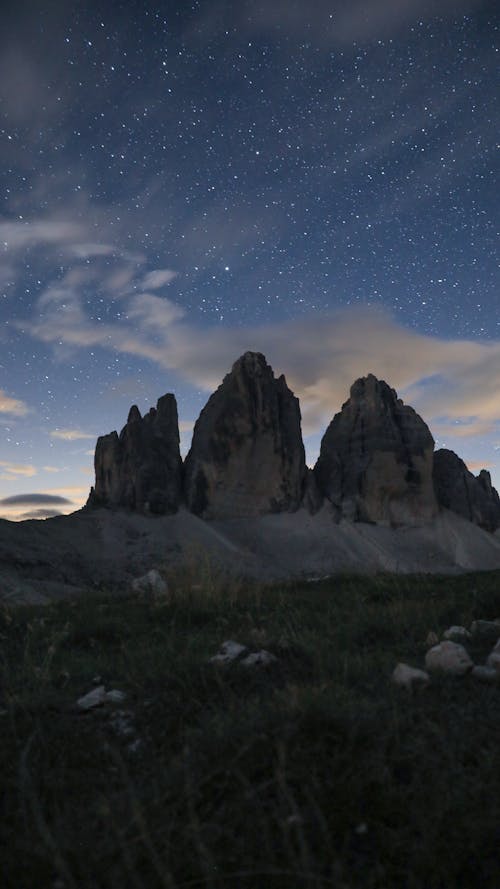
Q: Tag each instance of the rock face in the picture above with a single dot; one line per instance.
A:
(375, 462)
(141, 469)
(247, 456)
(457, 489)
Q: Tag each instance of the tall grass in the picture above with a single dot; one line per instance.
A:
(314, 772)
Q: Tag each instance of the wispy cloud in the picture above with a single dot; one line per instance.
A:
(158, 278)
(11, 471)
(444, 379)
(328, 24)
(70, 435)
(17, 235)
(39, 514)
(13, 406)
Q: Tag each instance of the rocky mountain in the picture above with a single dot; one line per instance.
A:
(375, 462)
(247, 456)
(458, 489)
(141, 469)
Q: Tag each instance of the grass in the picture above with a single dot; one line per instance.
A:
(316, 772)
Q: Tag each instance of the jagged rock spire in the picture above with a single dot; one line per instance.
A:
(247, 455)
(375, 461)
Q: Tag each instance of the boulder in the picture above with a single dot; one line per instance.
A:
(486, 674)
(472, 497)
(151, 584)
(228, 652)
(247, 457)
(375, 462)
(457, 634)
(448, 657)
(406, 676)
(261, 658)
(141, 469)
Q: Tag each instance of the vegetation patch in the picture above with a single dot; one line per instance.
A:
(313, 771)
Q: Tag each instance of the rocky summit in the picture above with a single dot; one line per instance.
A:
(458, 489)
(140, 469)
(377, 462)
(247, 456)
(376, 457)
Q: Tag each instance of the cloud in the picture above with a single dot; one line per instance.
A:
(17, 235)
(39, 514)
(85, 251)
(14, 470)
(475, 465)
(13, 406)
(33, 499)
(321, 355)
(70, 435)
(466, 428)
(154, 312)
(158, 278)
(327, 23)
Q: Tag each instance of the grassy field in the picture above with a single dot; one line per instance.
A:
(311, 773)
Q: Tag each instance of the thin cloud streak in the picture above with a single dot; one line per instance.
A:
(70, 435)
(320, 356)
(13, 406)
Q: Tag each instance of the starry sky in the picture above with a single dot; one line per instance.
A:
(183, 181)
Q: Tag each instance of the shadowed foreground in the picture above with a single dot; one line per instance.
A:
(313, 772)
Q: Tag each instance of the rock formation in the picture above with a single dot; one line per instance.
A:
(141, 469)
(247, 456)
(458, 489)
(375, 462)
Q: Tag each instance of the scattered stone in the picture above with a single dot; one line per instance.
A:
(485, 674)
(121, 722)
(406, 676)
(489, 630)
(259, 659)
(97, 680)
(115, 696)
(135, 746)
(458, 489)
(376, 457)
(150, 584)
(448, 657)
(432, 639)
(99, 696)
(228, 652)
(247, 456)
(456, 634)
(94, 698)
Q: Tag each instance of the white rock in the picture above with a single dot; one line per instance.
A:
(486, 674)
(432, 638)
(455, 633)
(94, 698)
(115, 696)
(259, 659)
(151, 584)
(449, 657)
(229, 651)
(407, 676)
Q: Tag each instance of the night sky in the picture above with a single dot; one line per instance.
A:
(184, 181)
